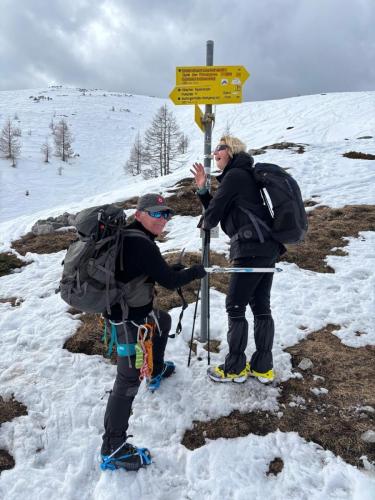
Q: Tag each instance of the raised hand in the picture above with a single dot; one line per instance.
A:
(199, 175)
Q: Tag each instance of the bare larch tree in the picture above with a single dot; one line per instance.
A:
(63, 140)
(46, 150)
(10, 144)
(137, 157)
(183, 143)
(162, 143)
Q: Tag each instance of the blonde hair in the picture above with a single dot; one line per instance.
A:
(234, 144)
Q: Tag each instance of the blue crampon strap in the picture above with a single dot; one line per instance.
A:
(154, 383)
(109, 461)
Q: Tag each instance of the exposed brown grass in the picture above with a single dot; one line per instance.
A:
(9, 262)
(214, 346)
(9, 409)
(275, 466)
(184, 201)
(327, 228)
(297, 148)
(130, 203)
(310, 203)
(6, 461)
(356, 155)
(167, 299)
(88, 338)
(44, 243)
(13, 301)
(335, 420)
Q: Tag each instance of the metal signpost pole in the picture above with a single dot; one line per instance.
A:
(207, 85)
(205, 286)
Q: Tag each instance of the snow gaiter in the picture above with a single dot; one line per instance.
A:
(235, 360)
(264, 330)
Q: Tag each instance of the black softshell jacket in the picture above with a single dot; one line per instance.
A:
(142, 256)
(238, 188)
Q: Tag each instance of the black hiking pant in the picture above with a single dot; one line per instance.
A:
(253, 289)
(127, 380)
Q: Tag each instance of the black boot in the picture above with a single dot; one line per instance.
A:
(118, 453)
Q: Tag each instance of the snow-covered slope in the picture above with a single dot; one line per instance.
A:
(65, 392)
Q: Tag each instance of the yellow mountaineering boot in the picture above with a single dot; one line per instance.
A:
(264, 378)
(217, 374)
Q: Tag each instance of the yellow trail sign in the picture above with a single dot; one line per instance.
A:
(206, 94)
(209, 84)
(224, 75)
(198, 116)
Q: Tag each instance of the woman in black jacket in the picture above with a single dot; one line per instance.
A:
(243, 216)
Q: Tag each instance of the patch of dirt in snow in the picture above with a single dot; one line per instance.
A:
(357, 155)
(9, 409)
(167, 299)
(310, 203)
(13, 301)
(88, 337)
(297, 148)
(9, 262)
(44, 243)
(335, 419)
(327, 229)
(275, 467)
(183, 199)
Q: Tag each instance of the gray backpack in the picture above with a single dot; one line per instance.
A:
(88, 281)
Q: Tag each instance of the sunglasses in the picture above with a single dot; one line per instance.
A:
(166, 214)
(220, 147)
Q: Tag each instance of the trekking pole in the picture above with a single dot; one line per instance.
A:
(194, 318)
(215, 269)
(208, 325)
(195, 314)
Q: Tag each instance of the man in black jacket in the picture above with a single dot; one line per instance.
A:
(139, 267)
(243, 216)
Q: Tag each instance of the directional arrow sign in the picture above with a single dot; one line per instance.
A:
(207, 94)
(198, 116)
(192, 75)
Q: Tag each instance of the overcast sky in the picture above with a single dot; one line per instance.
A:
(290, 47)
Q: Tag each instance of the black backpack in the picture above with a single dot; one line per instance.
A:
(88, 281)
(283, 198)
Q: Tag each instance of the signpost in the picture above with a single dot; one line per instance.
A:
(207, 85)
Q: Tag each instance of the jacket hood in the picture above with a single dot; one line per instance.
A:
(240, 160)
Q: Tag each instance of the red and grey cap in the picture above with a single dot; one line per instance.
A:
(152, 203)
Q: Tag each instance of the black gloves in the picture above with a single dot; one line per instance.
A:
(198, 271)
(178, 266)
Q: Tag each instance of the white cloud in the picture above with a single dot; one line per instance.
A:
(291, 47)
